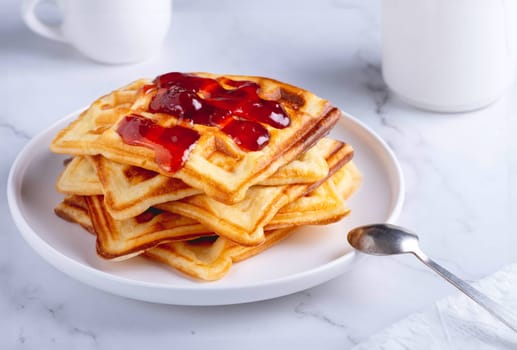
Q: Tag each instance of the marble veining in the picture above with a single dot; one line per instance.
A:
(377, 88)
(15, 131)
(460, 179)
(302, 310)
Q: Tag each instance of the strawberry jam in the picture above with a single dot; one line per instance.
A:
(171, 145)
(238, 111)
(203, 240)
(232, 106)
(148, 215)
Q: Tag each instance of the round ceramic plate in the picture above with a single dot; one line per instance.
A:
(310, 256)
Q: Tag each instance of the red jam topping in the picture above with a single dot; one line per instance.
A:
(238, 111)
(171, 145)
(147, 215)
(203, 240)
(235, 108)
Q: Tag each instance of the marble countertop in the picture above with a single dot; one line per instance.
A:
(460, 172)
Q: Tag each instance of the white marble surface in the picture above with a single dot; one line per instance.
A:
(460, 171)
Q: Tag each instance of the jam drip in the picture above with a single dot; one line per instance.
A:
(238, 111)
(147, 215)
(171, 145)
(203, 240)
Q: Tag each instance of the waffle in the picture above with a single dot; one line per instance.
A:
(310, 167)
(216, 165)
(80, 136)
(324, 205)
(74, 209)
(244, 222)
(208, 258)
(79, 177)
(129, 191)
(120, 239)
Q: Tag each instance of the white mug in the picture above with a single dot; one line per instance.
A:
(109, 31)
(449, 55)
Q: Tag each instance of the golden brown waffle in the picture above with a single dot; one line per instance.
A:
(244, 222)
(348, 180)
(74, 209)
(79, 177)
(324, 205)
(216, 165)
(310, 167)
(129, 190)
(121, 239)
(206, 259)
(82, 133)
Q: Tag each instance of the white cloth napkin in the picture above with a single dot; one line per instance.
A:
(456, 322)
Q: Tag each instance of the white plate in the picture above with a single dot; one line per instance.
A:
(311, 256)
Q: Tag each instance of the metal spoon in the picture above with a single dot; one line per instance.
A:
(385, 239)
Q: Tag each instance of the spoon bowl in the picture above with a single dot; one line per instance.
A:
(383, 239)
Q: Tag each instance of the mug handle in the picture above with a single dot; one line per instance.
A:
(36, 25)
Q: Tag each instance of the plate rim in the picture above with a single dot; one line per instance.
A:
(97, 278)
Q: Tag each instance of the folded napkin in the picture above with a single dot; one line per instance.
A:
(456, 322)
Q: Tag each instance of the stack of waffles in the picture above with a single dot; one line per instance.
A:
(199, 171)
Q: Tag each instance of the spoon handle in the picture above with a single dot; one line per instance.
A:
(488, 304)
